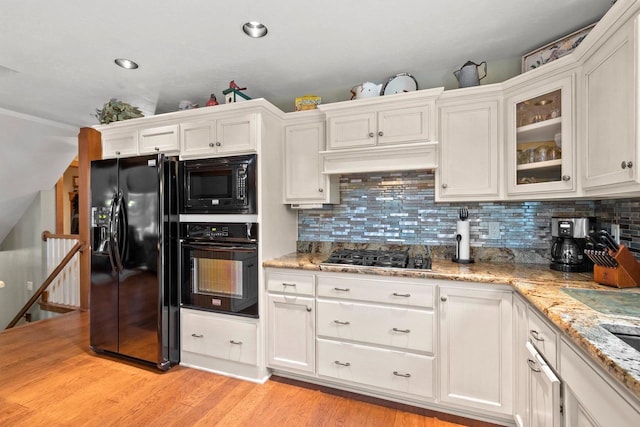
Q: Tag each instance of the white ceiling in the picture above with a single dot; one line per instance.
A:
(56, 56)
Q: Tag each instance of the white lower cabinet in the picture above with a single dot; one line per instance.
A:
(223, 338)
(221, 343)
(543, 391)
(591, 399)
(291, 332)
(476, 348)
(394, 371)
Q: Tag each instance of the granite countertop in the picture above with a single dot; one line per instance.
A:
(539, 285)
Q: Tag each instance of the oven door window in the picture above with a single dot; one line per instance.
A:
(211, 184)
(219, 277)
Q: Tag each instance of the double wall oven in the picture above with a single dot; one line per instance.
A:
(219, 258)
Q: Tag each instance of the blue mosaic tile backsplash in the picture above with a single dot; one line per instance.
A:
(399, 207)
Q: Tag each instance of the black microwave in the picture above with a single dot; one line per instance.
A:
(219, 185)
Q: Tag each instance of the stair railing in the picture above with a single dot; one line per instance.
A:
(79, 246)
(65, 289)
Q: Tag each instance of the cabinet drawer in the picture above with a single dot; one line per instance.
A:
(290, 283)
(405, 373)
(404, 328)
(219, 337)
(543, 337)
(388, 291)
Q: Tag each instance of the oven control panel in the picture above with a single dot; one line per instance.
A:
(220, 231)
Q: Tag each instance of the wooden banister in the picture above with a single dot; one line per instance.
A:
(77, 247)
(49, 235)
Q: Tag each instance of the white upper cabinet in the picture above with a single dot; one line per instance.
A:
(385, 133)
(398, 124)
(233, 134)
(123, 143)
(470, 146)
(159, 139)
(609, 91)
(540, 138)
(304, 182)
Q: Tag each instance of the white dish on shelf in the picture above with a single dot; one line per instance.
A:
(403, 82)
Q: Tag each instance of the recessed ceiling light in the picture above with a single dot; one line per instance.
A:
(126, 63)
(254, 29)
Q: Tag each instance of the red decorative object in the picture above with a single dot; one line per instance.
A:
(212, 101)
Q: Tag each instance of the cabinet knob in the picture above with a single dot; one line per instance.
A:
(443, 299)
(211, 144)
(156, 148)
(380, 133)
(625, 165)
(117, 153)
(235, 342)
(398, 374)
(321, 190)
(535, 334)
(337, 362)
(371, 134)
(308, 308)
(218, 144)
(566, 178)
(197, 335)
(444, 185)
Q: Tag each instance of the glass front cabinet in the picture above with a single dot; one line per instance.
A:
(540, 141)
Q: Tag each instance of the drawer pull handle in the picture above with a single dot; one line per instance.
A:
(235, 342)
(337, 362)
(342, 289)
(288, 285)
(340, 322)
(535, 335)
(398, 374)
(197, 336)
(532, 365)
(404, 331)
(395, 294)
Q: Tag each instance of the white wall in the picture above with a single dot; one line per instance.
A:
(22, 256)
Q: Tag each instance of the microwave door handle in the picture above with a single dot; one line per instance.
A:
(242, 184)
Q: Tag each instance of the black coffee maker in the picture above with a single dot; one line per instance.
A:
(568, 241)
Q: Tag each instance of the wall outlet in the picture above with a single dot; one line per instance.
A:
(615, 232)
(494, 230)
(29, 286)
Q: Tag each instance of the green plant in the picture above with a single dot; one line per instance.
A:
(114, 111)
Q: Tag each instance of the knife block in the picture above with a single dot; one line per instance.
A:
(625, 275)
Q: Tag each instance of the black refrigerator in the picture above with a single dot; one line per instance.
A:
(134, 306)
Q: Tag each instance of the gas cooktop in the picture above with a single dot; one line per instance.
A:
(379, 258)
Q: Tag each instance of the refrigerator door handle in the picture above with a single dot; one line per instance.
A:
(116, 233)
(111, 233)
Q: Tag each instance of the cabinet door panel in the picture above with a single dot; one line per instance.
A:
(610, 112)
(469, 152)
(237, 134)
(476, 348)
(121, 144)
(159, 139)
(354, 130)
(198, 138)
(304, 182)
(404, 125)
(291, 332)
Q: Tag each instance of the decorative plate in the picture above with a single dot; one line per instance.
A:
(403, 82)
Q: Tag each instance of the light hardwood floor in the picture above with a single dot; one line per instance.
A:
(50, 377)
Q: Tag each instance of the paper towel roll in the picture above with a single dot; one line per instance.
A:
(462, 229)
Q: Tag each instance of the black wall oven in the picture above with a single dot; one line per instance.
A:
(219, 185)
(220, 267)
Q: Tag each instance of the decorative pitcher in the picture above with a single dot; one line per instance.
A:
(467, 75)
(366, 90)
